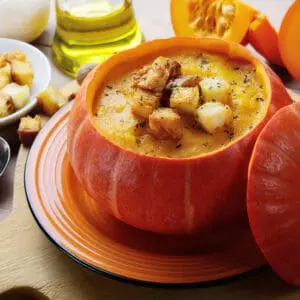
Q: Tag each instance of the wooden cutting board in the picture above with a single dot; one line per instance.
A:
(31, 267)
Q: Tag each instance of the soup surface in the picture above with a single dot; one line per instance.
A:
(181, 106)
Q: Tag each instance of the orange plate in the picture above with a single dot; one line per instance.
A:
(103, 244)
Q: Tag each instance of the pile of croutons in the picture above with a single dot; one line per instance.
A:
(49, 102)
(162, 94)
(16, 77)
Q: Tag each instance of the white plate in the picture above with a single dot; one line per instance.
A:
(42, 75)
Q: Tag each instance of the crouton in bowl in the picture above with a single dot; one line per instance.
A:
(24, 73)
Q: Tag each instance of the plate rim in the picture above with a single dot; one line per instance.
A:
(101, 271)
(142, 283)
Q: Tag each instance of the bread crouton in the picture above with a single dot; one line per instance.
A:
(184, 81)
(6, 106)
(22, 72)
(144, 103)
(16, 55)
(51, 100)
(214, 116)
(165, 123)
(155, 78)
(187, 100)
(20, 94)
(28, 129)
(214, 89)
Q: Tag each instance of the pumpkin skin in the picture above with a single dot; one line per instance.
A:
(289, 39)
(273, 198)
(264, 39)
(164, 195)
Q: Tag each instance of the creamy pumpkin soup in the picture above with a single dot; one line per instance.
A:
(181, 106)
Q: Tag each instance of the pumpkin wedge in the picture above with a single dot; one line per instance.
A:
(273, 193)
(228, 20)
(161, 194)
(289, 40)
(264, 39)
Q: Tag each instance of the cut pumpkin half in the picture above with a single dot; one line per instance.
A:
(225, 19)
(273, 196)
(264, 39)
(230, 20)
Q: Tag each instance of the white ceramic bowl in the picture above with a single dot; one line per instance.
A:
(42, 75)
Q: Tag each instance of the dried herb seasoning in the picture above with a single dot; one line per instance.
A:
(204, 62)
(229, 132)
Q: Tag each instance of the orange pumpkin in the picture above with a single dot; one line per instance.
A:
(213, 18)
(228, 20)
(289, 40)
(273, 197)
(161, 194)
(264, 38)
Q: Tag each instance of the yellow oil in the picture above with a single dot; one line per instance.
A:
(91, 31)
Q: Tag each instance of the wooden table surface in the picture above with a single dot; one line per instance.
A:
(154, 19)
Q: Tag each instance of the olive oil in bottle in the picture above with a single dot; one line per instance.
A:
(92, 30)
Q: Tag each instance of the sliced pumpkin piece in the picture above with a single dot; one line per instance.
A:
(264, 39)
(289, 40)
(273, 197)
(228, 19)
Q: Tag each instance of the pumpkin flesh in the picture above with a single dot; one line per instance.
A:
(264, 38)
(228, 20)
(158, 194)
